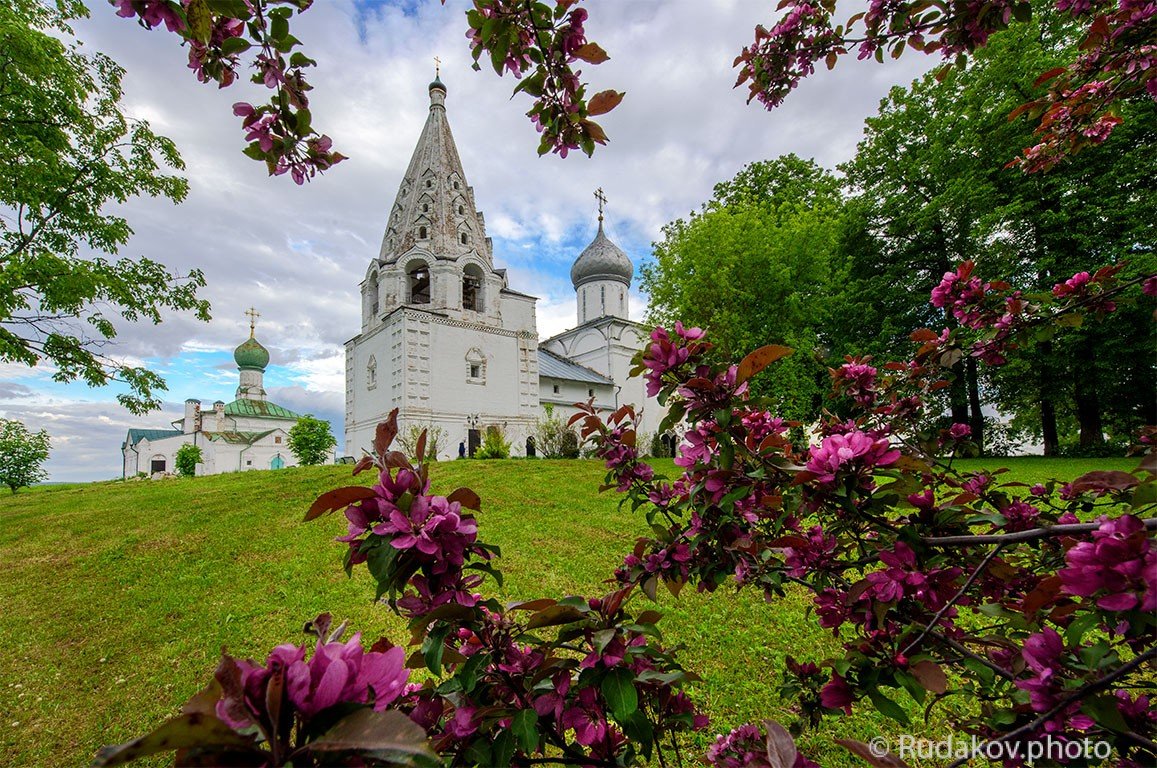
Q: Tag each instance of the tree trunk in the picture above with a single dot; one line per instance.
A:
(1048, 409)
(958, 395)
(976, 418)
(1088, 404)
(1048, 425)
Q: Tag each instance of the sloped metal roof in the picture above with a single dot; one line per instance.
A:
(259, 408)
(558, 367)
(237, 438)
(137, 435)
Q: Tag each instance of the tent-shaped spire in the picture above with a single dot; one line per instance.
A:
(434, 210)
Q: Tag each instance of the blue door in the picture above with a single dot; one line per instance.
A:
(277, 462)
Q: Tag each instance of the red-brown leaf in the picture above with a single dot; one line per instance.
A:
(364, 463)
(759, 359)
(336, 499)
(466, 498)
(863, 751)
(1045, 77)
(592, 53)
(1112, 480)
(930, 675)
(603, 102)
(385, 433)
(781, 751)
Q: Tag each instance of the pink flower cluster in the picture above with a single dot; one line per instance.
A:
(854, 453)
(337, 673)
(152, 13)
(747, 747)
(960, 293)
(666, 353)
(778, 59)
(1120, 564)
(432, 531)
(858, 381)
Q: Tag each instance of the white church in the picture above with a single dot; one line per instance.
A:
(249, 433)
(449, 343)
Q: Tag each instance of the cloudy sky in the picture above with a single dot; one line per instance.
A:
(298, 253)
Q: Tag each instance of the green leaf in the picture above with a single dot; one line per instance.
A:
(188, 730)
(887, 707)
(618, 689)
(524, 726)
(235, 45)
(388, 735)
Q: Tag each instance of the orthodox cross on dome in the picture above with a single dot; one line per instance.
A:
(602, 201)
(253, 314)
(437, 67)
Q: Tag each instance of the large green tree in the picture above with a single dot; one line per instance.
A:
(932, 191)
(752, 267)
(68, 154)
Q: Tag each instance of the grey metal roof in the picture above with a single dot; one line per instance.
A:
(558, 367)
(136, 435)
(602, 260)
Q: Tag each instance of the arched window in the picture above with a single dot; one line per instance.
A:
(461, 210)
(419, 275)
(422, 233)
(374, 295)
(429, 183)
(455, 185)
(425, 207)
(464, 238)
(603, 298)
(372, 373)
(472, 288)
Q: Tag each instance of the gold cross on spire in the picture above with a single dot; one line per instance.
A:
(253, 314)
(437, 67)
(602, 201)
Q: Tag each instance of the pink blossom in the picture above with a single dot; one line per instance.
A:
(1119, 562)
(837, 695)
(854, 451)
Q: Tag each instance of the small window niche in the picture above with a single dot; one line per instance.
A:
(475, 367)
(371, 374)
(556, 389)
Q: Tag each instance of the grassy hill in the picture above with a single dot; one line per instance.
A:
(116, 598)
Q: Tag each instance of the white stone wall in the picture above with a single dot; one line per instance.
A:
(423, 367)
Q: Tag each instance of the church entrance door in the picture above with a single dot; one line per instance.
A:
(277, 463)
(474, 440)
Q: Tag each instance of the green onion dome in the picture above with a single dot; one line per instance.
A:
(251, 355)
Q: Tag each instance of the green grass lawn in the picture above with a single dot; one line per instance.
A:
(116, 598)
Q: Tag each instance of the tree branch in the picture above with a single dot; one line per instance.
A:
(1078, 695)
(1030, 535)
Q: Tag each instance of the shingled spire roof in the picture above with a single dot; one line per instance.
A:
(434, 210)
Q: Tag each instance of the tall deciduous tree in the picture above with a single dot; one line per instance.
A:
(67, 154)
(933, 192)
(21, 454)
(752, 266)
(311, 440)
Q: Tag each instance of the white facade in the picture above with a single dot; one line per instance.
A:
(446, 341)
(249, 433)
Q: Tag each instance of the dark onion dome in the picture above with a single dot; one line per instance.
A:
(602, 260)
(437, 83)
(251, 355)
